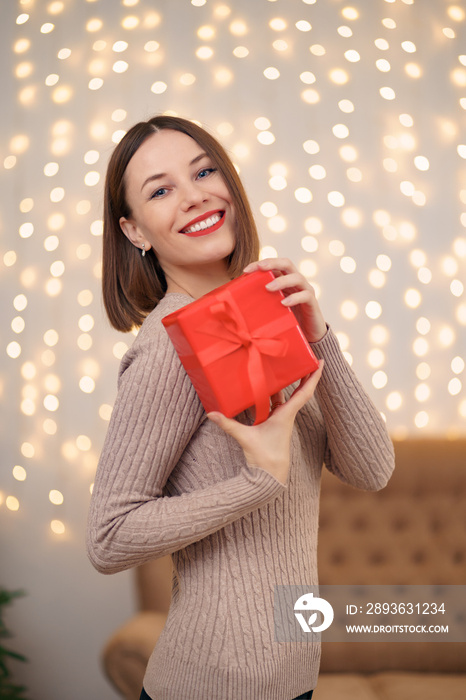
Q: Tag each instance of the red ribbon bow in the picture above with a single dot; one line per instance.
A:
(229, 326)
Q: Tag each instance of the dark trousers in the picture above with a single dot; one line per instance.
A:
(306, 696)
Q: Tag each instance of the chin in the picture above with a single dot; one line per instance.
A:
(219, 249)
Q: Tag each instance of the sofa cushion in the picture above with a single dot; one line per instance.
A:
(372, 657)
(418, 686)
(412, 532)
(391, 686)
(344, 686)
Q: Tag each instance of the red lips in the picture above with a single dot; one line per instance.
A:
(204, 217)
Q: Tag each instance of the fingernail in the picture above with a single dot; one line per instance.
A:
(215, 416)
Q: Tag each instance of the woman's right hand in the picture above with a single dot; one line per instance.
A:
(267, 445)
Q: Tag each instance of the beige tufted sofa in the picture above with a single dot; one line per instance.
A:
(411, 532)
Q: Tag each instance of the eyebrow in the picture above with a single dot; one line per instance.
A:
(151, 178)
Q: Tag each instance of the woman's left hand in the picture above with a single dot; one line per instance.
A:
(267, 445)
(299, 295)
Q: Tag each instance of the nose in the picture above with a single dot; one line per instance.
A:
(192, 195)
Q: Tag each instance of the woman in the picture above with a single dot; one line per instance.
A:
(236, 505)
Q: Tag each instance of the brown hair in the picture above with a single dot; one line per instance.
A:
(132, 285)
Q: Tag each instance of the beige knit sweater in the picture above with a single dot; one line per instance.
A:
(170, 481)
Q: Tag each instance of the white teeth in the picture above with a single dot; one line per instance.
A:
(202, 225)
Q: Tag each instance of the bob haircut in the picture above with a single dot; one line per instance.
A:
(132, 285)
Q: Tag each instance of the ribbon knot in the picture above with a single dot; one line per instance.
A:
(227, 324)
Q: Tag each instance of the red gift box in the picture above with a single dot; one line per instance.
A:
(239, 345)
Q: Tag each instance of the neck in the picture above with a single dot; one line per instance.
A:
(196, 283)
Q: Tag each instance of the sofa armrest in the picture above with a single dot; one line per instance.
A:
(125, 656)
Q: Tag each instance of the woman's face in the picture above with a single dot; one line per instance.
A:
(179, 203)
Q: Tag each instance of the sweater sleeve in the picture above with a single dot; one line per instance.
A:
(359, 450)
(155, 415)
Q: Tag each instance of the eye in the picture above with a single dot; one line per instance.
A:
(159, 193)
(205, 172)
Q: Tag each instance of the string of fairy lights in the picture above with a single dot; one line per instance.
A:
(354, 163)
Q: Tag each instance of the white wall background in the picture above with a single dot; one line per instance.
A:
(358, 108)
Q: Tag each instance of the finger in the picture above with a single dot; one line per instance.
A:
(280, 266)
(252, 267)
(277, 400)
(305, 390)
(279, 396)
(264, 264)
(289, 280)
(229, 425)
(305, 296)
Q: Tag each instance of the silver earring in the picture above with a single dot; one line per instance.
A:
(143, 252)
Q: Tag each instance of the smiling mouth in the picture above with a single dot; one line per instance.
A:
(208, 225)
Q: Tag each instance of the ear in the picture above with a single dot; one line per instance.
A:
(133, 234)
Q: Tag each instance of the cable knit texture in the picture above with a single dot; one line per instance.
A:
(170, 481)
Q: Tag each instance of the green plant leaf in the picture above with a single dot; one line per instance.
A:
(8, 689)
